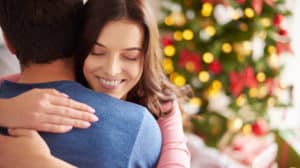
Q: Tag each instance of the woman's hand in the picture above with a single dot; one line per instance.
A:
(45, 110)
(25, 148)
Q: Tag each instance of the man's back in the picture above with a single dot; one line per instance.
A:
(126, 135)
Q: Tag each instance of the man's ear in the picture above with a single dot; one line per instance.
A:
(8, 45)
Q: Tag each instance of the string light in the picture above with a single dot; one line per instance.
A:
(188, 34)
(168, 65)
(247, 129)
(249, 12)
(203, 76)
(208, 57)
(265, 22)
(169, 21)
(271, 49)
(210, 30)
(169, 50)
(179, 80)
(177, 35)
(207, 9)
(241, 100)
(261, 77)
(226, 47)
(253, 92)
(195, 101)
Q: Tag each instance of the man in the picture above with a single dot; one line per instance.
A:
(42, 34)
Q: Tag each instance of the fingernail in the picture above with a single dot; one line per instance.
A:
(65, 95)
(95, 118)
(86, 124)
(92, 110)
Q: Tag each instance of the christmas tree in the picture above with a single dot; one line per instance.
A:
(229, 52)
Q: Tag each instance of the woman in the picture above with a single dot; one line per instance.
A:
(119, 55)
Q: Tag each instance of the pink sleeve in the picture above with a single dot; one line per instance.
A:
(12, 78)
(175, 153)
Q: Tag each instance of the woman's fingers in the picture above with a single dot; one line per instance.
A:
(67, 112)
(54, 128)
(22, 132)
(62, 120)
(63, 101)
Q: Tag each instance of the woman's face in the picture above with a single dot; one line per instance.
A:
(115, 64)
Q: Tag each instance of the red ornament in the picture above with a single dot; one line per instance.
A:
(215, 67)
(188, 57)
(277, 20)
(249, 78)
(241, 80)
(236, 86)
(283, 32)
(167, 40)
(257, 5)
(260, 127)
(271, 85)
(283, 47)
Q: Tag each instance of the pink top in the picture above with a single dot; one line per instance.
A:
(174, 152)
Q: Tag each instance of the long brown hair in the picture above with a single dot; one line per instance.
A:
(154, 88)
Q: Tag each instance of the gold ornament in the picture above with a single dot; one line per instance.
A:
(188, 34)
(261, 77)
(247, 129)
(234, 125)
(178, 19)
(177, 35)
(203, 76)
(262, 92)
(196, 101)
(241, 100)
(215, 88)
(253, 92)
(207, 9)
(208, 57)
(242, 48)
(168, 65)
(249, 12)
(179, 80)
(271, 50)
(274, 61)
(265, 22)
(168, 21)
(210, 30)
(169, 50)
(226, 48)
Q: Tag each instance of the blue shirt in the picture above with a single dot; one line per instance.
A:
(126, 134)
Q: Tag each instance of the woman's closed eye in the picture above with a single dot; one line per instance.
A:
(98, 51)
(132, 57)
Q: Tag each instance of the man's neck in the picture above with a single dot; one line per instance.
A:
(55, 71)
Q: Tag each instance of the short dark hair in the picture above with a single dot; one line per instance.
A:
(41, 31)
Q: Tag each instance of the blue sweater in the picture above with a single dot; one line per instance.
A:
(126, 134)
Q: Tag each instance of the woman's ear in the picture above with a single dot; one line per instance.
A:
(8, 45)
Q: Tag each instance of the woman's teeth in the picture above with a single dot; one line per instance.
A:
(110, 82)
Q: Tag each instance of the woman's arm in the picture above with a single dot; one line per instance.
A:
(175, 153)
(44, 110)
(34, 151)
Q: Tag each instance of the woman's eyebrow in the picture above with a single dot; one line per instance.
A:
(126, 49)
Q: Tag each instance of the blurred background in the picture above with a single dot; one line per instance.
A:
(241, 57)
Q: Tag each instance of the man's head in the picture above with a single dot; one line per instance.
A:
(40, 31)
